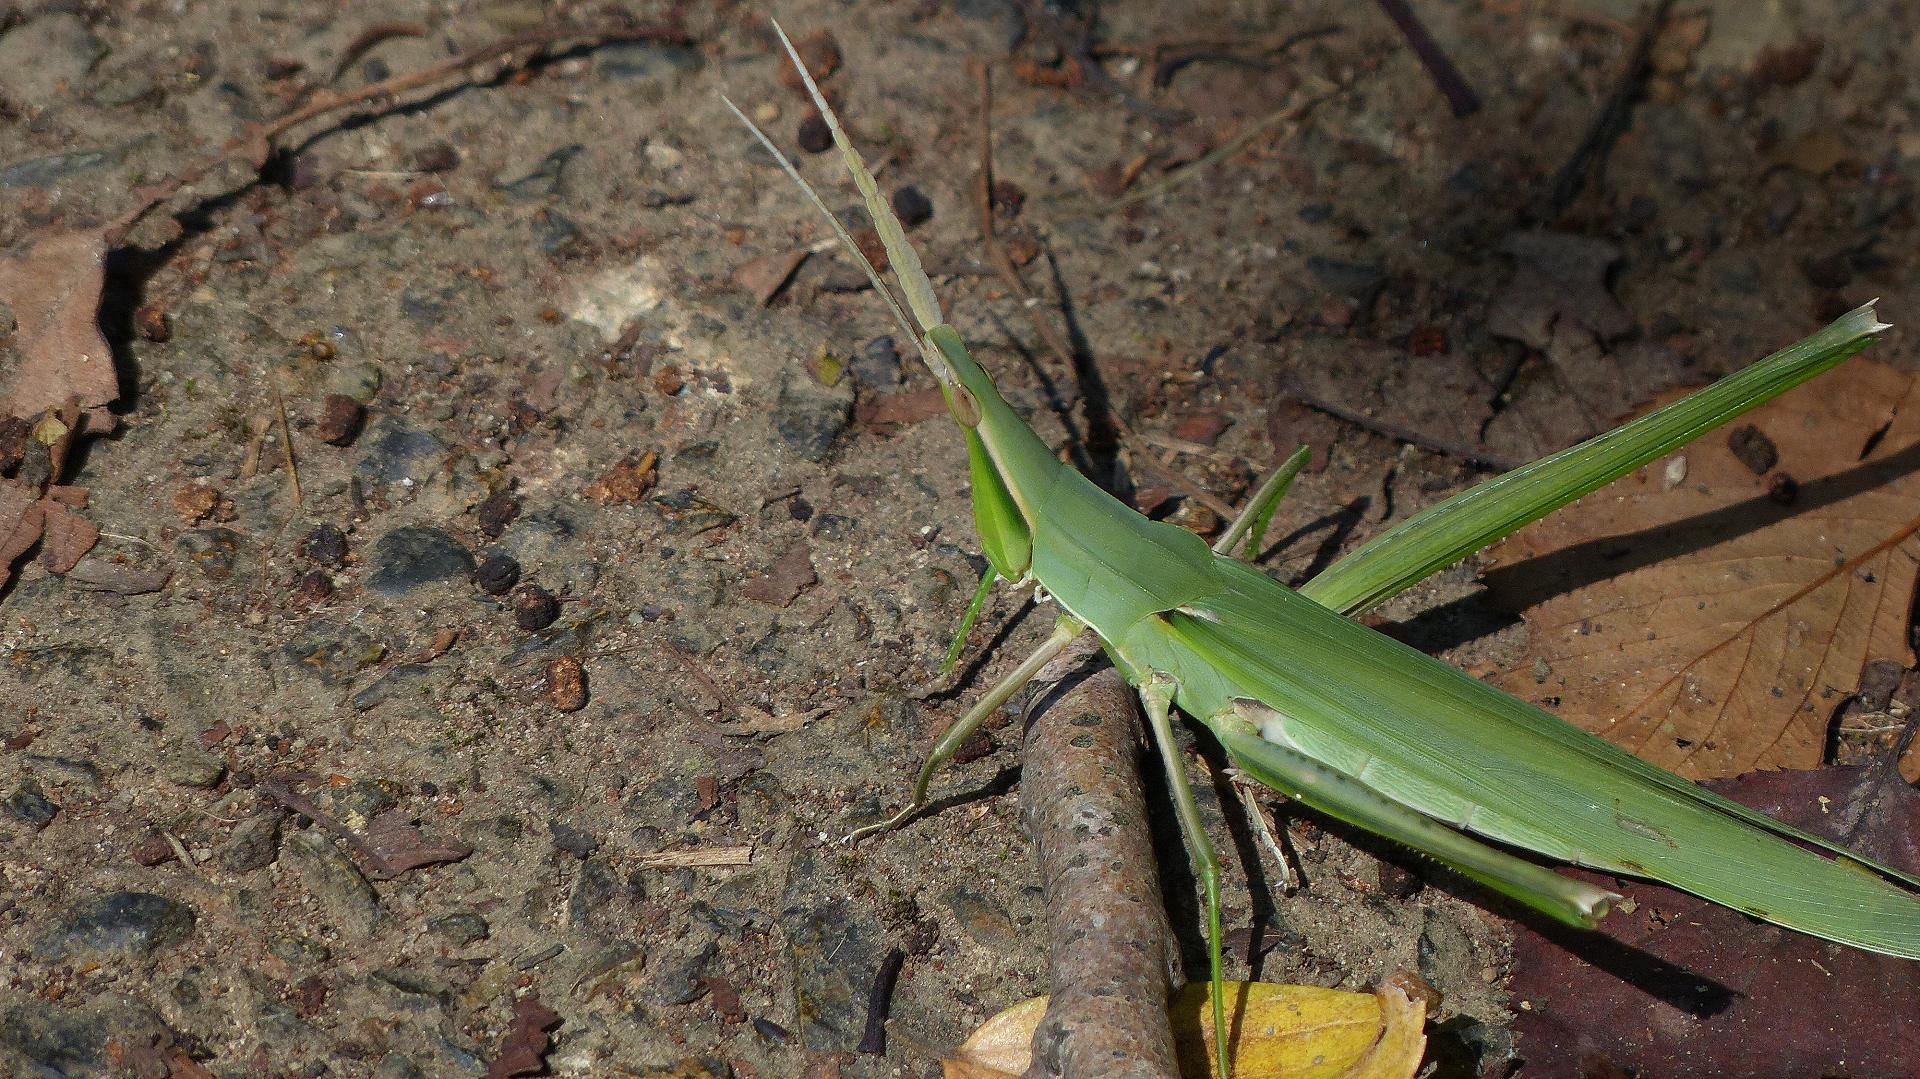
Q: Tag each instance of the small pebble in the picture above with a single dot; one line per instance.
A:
(566, 684)
(534, 608)
(152, 850)
(326, 545)
(1754, 449)
(497, 575)
(1008, 197)
(912, 205)
(815, 136)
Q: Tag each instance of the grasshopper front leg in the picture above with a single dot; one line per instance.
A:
(1064, 631)
(1156, 696)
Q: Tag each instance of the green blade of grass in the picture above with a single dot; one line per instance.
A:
(1441, 535)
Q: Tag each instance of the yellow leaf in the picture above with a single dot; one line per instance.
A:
(1295, 1031)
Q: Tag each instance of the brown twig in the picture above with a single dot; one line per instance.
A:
(1615, 117)
(256, 145)
(1109, 961)
(1473, 455)
(1446, 77)
(873, 1040)
(286, 445)
(536, 40)
(301, 804)
(1253, 129)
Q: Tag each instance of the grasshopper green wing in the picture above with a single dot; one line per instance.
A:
(1456, 749)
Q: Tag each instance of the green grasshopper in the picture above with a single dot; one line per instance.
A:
(1344, 719)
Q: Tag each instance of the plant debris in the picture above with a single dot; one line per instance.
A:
(1704, 625)
(1290, 1030)
(523, 1050)
(1681, 986)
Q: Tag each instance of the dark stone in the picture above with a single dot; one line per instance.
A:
(63, 1042)
(253, 844)
(460, 928)
(594, 887)
(30, 807)
(814, 136)
(396, 451)
(912, 205)
(534, 608)
(326, 545)
(573, 840)
(677, 981)
(127, 923)
(407, 558)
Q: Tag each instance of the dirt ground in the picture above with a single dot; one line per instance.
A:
(532, 287)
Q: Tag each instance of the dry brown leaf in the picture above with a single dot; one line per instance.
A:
(524, 1047)
(54, 291)
(402, 846)
(21, 518)
(68, 537)
(1298, 1031)
(1713, 624)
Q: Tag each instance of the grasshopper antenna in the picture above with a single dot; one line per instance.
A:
(846, 241)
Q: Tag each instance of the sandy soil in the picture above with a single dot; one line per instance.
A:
(532, 286)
